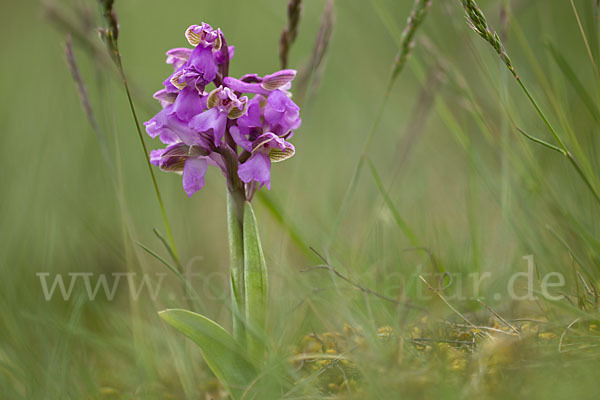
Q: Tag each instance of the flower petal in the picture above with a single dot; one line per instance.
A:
(256, 168)
(210, 120)
(244, 87)
(202, 61)
(158, 126)
(193, 175)
(282, 113)
(187, 104)
(188, 135)
(156, 156)
(178, 56)
(240, 139)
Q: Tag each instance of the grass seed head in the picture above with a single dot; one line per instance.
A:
(477, 21)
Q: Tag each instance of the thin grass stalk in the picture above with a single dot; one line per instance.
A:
(585, 40)
(478, 23)
(84, 97)
(418, 14)
(145, 149)
(111, 35)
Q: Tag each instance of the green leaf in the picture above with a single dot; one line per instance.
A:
(222, 353)
(256, 285)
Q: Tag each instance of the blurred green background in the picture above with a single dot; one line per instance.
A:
(477, 195)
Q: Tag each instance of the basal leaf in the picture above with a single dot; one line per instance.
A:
(222, 353)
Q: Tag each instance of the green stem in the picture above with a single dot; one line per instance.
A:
(235, 223)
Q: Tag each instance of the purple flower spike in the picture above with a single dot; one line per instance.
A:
(242, 137)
